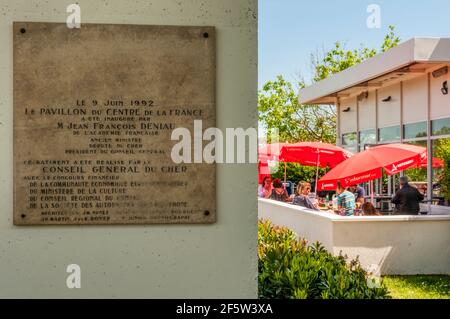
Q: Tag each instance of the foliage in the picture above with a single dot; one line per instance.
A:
(418, 286)
(416, 174)
(290, 269)
(279, 109)
(445, 177)
(338, 58)
(390, 40)
(297, 172)
(278, 102)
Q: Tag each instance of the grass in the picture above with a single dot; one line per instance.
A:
(418, 286)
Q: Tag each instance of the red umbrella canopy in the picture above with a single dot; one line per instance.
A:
(437, 163)
(368, 165)
(314, 154)
(268, 151)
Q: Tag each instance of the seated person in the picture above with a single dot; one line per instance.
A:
(369, 210)
(345, 201)
(302, 196)
(279, 193)
(407, 198)
(359, 193)
(265, 189)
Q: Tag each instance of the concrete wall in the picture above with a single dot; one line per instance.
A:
(389, 112)
(349, 118)
(367, 112)
(216, 261)
(439, 103)
(415, 100)
(397, 244)
(315, 226)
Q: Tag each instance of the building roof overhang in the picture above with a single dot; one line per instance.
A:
(408, 60)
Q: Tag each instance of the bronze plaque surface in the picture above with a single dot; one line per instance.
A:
(94, 110)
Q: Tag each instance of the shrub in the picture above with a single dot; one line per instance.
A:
(289, 268)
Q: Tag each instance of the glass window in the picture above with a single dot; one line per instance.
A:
(389, 134)
(418, 176)
(349, 139)
(415, 130)
(367, 137)
(440, 127)
(353, 148)
(441, 175)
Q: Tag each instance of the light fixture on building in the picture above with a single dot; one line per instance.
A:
(346, 110)
(363, 95)
(444, 88)
(440, 72)
(389, 98)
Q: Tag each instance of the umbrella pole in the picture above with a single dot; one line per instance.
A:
(371, 193)
(284, 175)
(317, 172)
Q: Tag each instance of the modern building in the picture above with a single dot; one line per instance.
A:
(401, 95)
(397, 96)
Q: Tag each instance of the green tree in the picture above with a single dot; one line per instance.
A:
(279, 108)
(278, 101)
(338, 58)
(297, 173)
(441, 149)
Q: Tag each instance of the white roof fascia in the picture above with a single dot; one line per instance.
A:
(414, 50)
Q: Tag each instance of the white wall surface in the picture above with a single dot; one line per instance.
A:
(440, 104)
(311, 225)
(415, 100)
(389, 112)
(367, 112)
(397, 244)
(348, 119)
(185, 261)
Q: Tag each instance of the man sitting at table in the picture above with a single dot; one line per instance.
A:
(345, 201)
(359, 193)
(407, 198)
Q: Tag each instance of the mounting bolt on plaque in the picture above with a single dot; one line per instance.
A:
(205, 35)
(23, 30)
(206, 212)
(23, 215)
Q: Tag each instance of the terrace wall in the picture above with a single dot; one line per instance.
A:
(400, 244)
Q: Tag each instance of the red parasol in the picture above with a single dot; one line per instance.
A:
(368, 165)
(270, 151)
(316, 154)
(437, 163)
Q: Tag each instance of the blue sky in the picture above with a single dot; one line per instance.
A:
(290, 30)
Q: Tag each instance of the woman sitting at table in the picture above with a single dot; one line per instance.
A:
(302, 196)
(369, 210)
(278, 191)
(265, 189)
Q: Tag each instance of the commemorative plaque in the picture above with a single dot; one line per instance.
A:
(94, 112)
